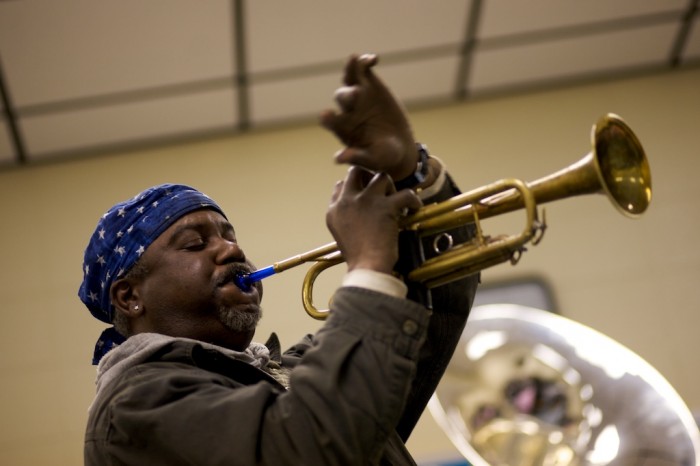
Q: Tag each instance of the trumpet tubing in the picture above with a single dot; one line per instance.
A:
(616, 166)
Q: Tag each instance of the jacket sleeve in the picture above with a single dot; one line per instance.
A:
(344, 400)
(451, 304)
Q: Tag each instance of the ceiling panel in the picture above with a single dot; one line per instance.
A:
(6, 153)
(57, 134)
(423, 80)
(512, 17)
(85, 77)
(288, 99)
(548, 62)
(692, 49)
(57, 50)
(308, 32)
(277, 101)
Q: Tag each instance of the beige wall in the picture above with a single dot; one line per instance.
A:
(634, 280)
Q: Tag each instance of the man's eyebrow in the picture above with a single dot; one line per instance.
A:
(224, 225)
(227, 227)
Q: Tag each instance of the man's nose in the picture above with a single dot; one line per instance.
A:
(229, 251)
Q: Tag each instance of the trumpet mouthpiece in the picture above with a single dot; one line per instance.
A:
(244, 281)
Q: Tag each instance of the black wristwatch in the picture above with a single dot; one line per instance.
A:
(421, 172)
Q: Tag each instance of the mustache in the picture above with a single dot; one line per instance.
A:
(233, 271)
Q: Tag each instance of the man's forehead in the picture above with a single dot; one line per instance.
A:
(199, 219)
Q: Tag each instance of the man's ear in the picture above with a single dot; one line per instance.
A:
(125, 297)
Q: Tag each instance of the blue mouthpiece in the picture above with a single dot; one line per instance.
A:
(245, 281)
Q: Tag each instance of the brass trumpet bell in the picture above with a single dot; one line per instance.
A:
(616, 166)
(527, 387)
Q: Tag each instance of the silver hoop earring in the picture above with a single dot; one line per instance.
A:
(136, 307)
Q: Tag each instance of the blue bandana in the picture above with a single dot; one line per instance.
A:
(122, 235)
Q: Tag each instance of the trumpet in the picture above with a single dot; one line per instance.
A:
(615, 166)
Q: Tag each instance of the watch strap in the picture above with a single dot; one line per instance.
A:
(421, 172)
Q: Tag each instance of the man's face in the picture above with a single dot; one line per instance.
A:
(189, 291)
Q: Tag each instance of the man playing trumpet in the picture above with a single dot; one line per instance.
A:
(180, 380)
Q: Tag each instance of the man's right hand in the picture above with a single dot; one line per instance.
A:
(364, 219)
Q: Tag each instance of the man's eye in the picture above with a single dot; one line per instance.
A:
(194, 244)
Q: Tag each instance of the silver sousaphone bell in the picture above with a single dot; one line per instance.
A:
(531, 388)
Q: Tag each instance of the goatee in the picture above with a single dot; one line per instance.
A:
(240, 320)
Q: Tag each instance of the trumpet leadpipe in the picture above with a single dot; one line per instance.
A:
(244, 281)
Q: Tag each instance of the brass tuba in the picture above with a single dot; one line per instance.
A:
(527, 387)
